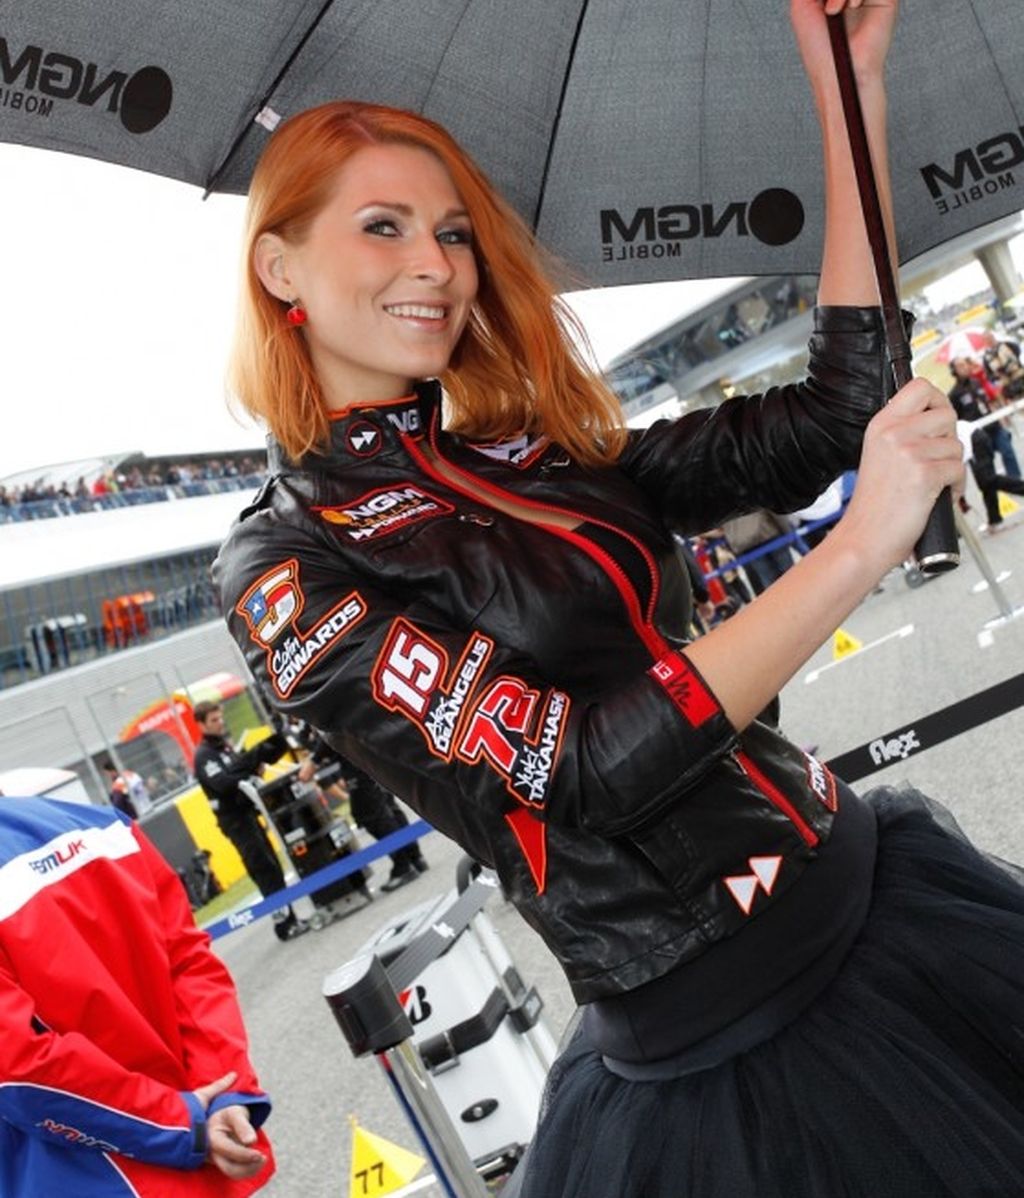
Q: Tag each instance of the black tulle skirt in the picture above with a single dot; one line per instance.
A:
(904, 1078)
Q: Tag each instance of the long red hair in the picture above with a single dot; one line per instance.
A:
(516, 368)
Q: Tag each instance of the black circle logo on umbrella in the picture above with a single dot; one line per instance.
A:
(775, 216)
(146, 99)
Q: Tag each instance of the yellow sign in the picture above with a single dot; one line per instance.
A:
(1007, 506)
(378, 1166)
(973, 313)
(843, 644)
(925, 338)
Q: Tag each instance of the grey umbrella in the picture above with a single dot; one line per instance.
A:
(647, 140)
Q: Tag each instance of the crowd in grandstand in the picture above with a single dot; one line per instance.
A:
(64, 497)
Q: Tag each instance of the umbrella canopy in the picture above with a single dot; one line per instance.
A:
(964, 343)
(663, 140)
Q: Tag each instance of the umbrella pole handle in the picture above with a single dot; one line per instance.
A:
(937, 549)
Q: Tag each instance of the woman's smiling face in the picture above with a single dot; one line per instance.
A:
(387, 275)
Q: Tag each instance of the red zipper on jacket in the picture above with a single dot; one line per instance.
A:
(652, 639)
(775, 796)
(594, 550)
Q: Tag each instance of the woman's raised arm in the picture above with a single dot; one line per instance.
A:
(847, 273)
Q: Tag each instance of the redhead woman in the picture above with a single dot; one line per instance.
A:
(461, 573)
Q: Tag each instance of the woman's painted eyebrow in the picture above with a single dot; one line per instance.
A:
(407, 210)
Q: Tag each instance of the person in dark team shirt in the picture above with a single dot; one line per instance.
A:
(219, 768)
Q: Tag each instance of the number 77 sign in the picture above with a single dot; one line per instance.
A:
(378, 1166)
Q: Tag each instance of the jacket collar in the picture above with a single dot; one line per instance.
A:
(360, 434)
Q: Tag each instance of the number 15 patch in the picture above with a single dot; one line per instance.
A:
(411, 675)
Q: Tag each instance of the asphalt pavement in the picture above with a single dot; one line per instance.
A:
(922, 649)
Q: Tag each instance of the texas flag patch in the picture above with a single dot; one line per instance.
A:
(272, 602)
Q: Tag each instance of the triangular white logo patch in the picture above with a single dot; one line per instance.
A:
(743, 889)
(767, 870)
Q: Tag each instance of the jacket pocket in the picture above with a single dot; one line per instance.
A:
(774, 795)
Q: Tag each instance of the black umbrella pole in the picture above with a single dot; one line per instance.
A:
(937, 549)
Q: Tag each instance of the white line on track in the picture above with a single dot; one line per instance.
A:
(981, 587)
(420, 1183)
(814, 675)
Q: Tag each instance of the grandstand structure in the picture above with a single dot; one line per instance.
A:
(122, 480)
(106, 604)
(111, 553)
(755, 335)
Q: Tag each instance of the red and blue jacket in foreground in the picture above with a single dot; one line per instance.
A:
(112, 1011)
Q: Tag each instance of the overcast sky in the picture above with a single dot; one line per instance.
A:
(118, 304)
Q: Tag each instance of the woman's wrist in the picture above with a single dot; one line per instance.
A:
(857, 554)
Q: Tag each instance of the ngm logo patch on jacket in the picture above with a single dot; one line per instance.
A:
(384, 511)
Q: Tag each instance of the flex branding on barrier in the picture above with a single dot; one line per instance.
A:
(896, 749)
(929, 730)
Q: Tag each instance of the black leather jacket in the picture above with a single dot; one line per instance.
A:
(522, 687)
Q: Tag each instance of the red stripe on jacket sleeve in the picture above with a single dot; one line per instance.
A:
(685, 687)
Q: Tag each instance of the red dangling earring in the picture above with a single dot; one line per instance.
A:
(296, 314)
